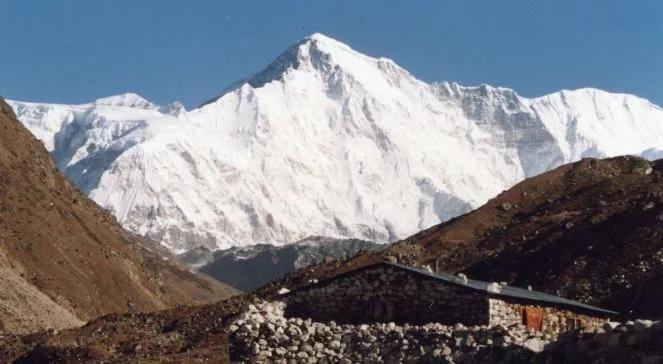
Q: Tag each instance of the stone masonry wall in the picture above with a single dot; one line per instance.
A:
(385, 294)
(554, 321)
(264, 335)
(388, 294)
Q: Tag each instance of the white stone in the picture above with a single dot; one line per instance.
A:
(494, 287)
(610, 325)
(641, 325)
(535, 344)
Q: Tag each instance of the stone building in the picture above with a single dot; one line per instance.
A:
(386, 292)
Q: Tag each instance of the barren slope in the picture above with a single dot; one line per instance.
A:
(64, 260)
(590, 231)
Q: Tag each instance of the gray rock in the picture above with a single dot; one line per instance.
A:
(335, 344)
(535, 344)
(506, 206)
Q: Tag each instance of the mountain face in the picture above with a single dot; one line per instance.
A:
(247, 268)
(360, 147)
(63, 259)
(589, 231)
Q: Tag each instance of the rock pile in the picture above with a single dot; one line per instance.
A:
(639, 341)
(263, 334)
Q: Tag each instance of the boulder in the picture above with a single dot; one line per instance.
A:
(535, 344)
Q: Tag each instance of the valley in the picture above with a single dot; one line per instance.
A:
(333, 208)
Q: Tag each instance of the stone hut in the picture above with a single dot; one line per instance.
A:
(391, 292)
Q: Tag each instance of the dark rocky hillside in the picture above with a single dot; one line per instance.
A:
(590, 231)
(63, 259)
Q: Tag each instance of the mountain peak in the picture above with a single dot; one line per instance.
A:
(335, 131)
(127, 99)
(320, 37)
(175, 109)
(328, 43)
(319, 53)
(315, 50)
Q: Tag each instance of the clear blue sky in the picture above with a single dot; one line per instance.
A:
(76, 51)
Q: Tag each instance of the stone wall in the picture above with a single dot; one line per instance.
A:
(386, 294)
(264, 335)
(554, 320)
(639, 341)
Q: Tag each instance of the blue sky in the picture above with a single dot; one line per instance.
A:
(74, 51)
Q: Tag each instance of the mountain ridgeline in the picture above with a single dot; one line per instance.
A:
(360, 147)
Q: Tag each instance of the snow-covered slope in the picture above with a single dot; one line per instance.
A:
(326, 141)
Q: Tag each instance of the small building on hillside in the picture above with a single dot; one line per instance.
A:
(386, 292)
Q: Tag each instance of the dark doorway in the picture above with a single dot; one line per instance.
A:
(383, 311)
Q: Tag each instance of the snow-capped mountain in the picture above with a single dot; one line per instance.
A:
(326, 141)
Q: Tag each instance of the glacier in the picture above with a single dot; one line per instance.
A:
(326, 141)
